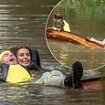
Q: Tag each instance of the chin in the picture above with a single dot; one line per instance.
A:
(13, 63)
(25, 65)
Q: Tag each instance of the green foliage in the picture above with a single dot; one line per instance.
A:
(88, 14)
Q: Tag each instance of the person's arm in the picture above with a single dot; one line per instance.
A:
(100, 42)
(97, 41)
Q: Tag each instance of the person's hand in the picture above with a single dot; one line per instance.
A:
(54, 28)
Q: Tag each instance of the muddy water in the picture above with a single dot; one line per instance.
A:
(22, 23)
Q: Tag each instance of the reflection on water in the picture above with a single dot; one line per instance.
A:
(68, 53)
(22, 22)
(36, 95)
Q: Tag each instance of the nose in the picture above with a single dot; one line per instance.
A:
(12, 56)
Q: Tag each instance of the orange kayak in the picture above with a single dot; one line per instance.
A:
(71, 37)
(93, 84)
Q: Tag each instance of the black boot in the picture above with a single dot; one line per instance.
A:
(77, 73)
(68, 81)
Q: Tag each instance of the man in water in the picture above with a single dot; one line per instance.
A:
(7, 57)
(15, 73)
(55, 77)
(12, 72)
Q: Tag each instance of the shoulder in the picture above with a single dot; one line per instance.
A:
(65, 22)
(4, 66)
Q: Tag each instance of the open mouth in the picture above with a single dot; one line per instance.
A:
(26, 62)
(11, 60)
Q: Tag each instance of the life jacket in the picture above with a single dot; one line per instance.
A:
(66, 26)
(17, 73)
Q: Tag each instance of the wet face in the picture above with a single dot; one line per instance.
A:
(23, 57)
(9, 58)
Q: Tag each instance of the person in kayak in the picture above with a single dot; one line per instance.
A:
(12, 72)
(54, 77)
(60, 24)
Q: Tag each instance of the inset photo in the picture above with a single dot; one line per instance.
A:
(75, 31)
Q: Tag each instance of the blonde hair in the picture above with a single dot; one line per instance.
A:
(3, 53)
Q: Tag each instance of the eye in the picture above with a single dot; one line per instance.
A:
(27, 54)
(21, 54)
(6, 55)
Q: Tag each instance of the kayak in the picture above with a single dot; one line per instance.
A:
(71, 37)
(92, 84)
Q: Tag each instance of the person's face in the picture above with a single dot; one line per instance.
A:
(9, 58)
(23, 57)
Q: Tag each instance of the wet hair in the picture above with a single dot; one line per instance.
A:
(58, 16)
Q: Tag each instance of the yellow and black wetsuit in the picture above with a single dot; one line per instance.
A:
(14, 73)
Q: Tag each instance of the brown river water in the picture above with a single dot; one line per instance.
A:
(22, 22)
